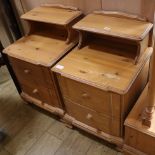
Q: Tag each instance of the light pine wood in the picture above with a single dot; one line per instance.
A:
(44, 105)
(109, 138)
(149, 110)
(52, 15)
(137, 32)
(60, 6)
(100, 122)
(90, 97)
(39, 88)
(139, 125)
(80, 115)
(85, 6)
(102, 73)
(100, 69)
(31, 57)
(27, 73)
(37, 49)
(114, 26)
(139, 138)
(19, 118)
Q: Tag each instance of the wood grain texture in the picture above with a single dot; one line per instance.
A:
(139, 138)
(100, 69)
(34, 81)
(149, 110)
(50, 38)
(36, 49)
(91, 118)
(97, 71)
(94, 131)
(113, 26)
(90, 97)
(17, 121)
(51, 15)
(134, 118)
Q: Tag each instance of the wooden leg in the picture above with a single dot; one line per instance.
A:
(147, 116)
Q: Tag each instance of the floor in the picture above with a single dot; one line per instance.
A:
(31, 131)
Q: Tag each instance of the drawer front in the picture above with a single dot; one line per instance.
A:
(90, 97)
(42, 94)
(28, 73)
(91, 118)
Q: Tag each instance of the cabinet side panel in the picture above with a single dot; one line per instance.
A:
(134, 92)
(139, 141)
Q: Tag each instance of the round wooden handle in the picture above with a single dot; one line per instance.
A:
(85, 95)
(35, 91)
(89, 116)
(26, 71)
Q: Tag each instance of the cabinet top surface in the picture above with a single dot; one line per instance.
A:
(115, 26)
(52, 15)
(38, 49)
(98, 68)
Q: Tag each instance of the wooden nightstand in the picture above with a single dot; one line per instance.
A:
(102, 78)
(50, 37)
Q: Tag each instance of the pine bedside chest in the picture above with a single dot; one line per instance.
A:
(101, 79)
(50, 37)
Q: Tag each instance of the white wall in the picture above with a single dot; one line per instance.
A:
(139, 7)
(85, 5)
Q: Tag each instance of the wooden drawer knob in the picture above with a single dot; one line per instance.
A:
(85, 95)
(35, 91)
(26, 71)
(89, 116)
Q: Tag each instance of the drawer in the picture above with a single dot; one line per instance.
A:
(42, 94)
(91, 97)
(91, 118)
(28, 73)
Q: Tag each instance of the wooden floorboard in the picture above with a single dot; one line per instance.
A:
(32, 131)
(59, 130)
